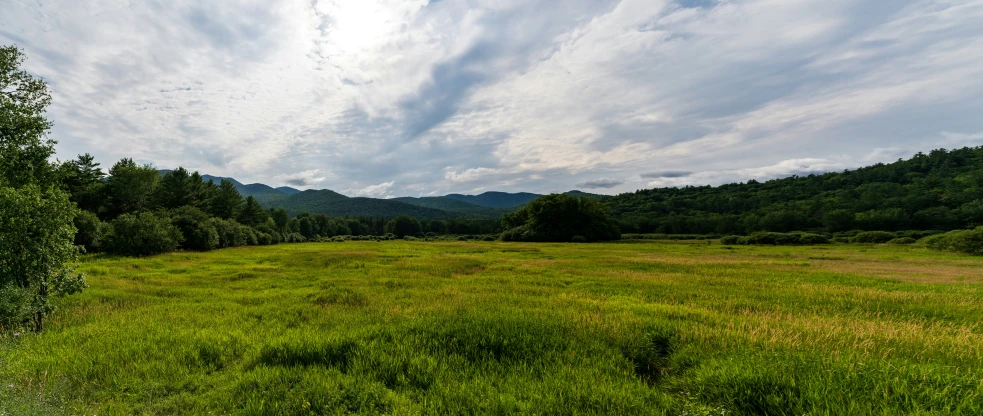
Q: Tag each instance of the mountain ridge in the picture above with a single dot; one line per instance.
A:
(486, 205)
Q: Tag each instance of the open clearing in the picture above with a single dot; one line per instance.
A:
(477, 328)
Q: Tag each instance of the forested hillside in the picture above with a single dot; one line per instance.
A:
(941, 190)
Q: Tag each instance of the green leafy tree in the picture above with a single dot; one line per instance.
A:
(90, 232)
(130, 187)
(227, 201)
(199, 233)
(403, 226)
(252, 213)
(83, 179)
(24, 146)
(280, 218)
(559, 217)
(142, 234)
(37, 253)
(178, 188)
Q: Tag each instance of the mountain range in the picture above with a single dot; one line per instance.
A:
(488, 205)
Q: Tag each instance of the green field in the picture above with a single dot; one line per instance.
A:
(479, 328)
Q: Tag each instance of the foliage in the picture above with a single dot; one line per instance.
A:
(902, 241)
(199, 234)
(179, 188)
(252, 213)
(90, 231)
(130, 188)
(233, 234)
(960, 241)
(24, 148)
(670, 236)
(227, 201)
(941, 190)
(777, 239)
(874, 237)
(403, 226)
(559, 217)
(142, 234)
(36, 253)
(36, 217)
(83, 179)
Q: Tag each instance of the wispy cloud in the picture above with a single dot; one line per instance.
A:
(604, 183)
(666, 174)
(508, 95)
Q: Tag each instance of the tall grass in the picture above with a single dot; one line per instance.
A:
(480, 328)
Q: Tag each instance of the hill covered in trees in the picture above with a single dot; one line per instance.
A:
(941, 190)
(485, 206)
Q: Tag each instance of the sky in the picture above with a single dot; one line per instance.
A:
(387, 98)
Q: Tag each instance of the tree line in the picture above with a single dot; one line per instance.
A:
(941, 190)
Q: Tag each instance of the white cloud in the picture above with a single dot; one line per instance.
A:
(468, 175)
(509, 95)
(381, 190)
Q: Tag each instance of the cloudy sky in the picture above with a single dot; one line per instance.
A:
(417, 97)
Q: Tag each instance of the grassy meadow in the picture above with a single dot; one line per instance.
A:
(500, 328)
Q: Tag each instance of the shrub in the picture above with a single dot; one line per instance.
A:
(812, 239)
(233, 234)
(488, 238)
(902, 241)
(763, 238)
(874, 237)
(841, 240)
(730, 240)
(960, 241)
(778, 239)
(578, 239)
(294, 238)
(90, 231)
(142, 235)
(409, 238)
(198, 231)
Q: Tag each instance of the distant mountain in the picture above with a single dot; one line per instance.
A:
(507, 200)
(581, 194)
(336, 205)
(253, 189)
(489, 205)
(496, 199)
(452, 205)
(288, 190)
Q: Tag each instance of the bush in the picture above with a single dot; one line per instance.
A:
(142, 235)
(233, 234)
(487, 238)
(670, 236)
(90, 231)
(812, 239)
(961, 241)
(578, 239)
(902, 241)
(841, 240)
(294, 238)
(874, 237)
(730, 240)
(198, 231)
(777, 239)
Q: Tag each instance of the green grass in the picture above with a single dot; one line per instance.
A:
(501, 328)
